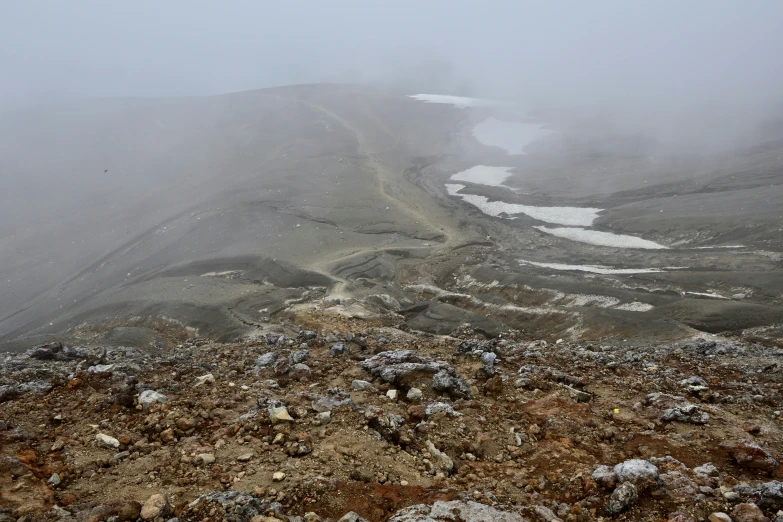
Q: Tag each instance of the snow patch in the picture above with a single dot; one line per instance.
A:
(703, 294)
(595, 237)
(636, 306)
(598, 269)
(558, 215)
(460, 102)
(484, 175)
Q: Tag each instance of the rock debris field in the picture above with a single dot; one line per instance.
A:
(340, 419)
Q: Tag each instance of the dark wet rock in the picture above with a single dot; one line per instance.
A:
(307, 335)
(623, 497)
(453, 510)
(768, 495)
(750, 455)
(45, 352)
(476, 345)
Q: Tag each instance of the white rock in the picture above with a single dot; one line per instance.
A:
(106, 441)
(204, 379)
(279, 414)
(278, 476)
(148, 397)
(324, 418)
(441, 511)
(392, 394)
(638, 472)
(155, 506)
(414, 394)
(358, 384)
(205, 458)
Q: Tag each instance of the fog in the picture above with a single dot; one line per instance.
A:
(656, 63)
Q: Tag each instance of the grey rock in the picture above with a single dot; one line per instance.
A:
(676, 408)
(299, 356)
(12, 391)
(45, 352)
(358, 384)
(488, 363)
(300, 371)
(605, 477)
(447, 380)
(266, 360)
(107, 441)
(240, 504)
(640, 473)
(279, 414)
(441, 462)
(149, 397)
(337, 349)
(307, 335)
(622, 498)
(453, 510)
(403, 367)
(351, 516)
(440, 407)
(333, 399)
(545, 514)
(690, 413)
(414, 395)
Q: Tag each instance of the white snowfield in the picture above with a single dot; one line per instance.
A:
(511, 136)
(484, 175)
(575, 216)
(460, 102)
(598, 269)
(595, 237)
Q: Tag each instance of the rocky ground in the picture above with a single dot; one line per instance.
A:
(336, 419)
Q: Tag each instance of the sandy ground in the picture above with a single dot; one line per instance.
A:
(219, 213)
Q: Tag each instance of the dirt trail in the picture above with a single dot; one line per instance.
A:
(392, 186)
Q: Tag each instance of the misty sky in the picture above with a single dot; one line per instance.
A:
(621, 53)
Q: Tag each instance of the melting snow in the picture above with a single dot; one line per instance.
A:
(598, 269)
(636, 306)
(512, 136)
(558, 215)
(484, 175)
(703, 294)
(595, 237)
(461, 102)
